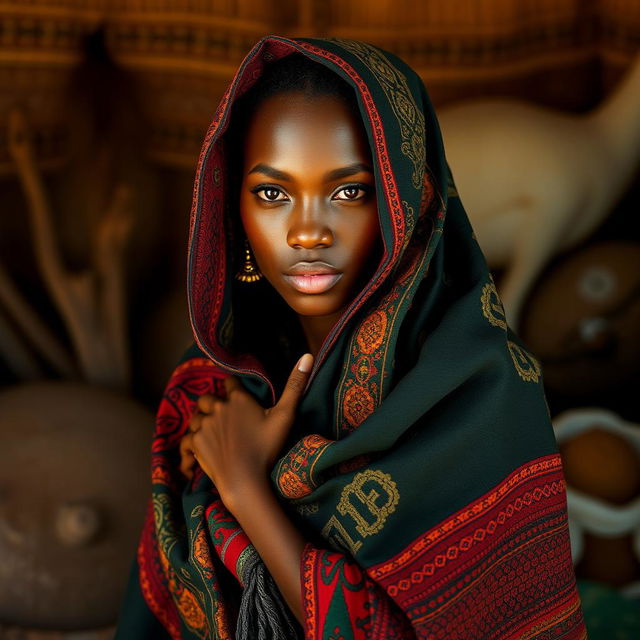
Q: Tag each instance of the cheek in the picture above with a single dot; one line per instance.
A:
(366, 234)
(263, 239)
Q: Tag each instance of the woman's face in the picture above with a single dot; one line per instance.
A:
(308, 203)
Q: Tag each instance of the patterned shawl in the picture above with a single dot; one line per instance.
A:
(422, 467)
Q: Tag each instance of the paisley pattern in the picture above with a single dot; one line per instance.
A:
(492, 308)
(295, 470)
(526, 365)
(394, 84)
(369, 368)
(177, 571)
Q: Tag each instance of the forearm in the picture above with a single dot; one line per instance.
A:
(275, 538)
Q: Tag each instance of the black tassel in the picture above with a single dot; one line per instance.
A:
(263, 613)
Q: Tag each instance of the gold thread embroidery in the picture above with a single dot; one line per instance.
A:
(492, 308)
(394, 84)
(526, 365)
(383, 485)
(410, 220)
(188, 598)
(340, 538)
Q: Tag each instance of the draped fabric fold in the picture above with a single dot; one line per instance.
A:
(422, 467)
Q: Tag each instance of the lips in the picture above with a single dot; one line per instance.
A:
(312, 277)
(318, 283)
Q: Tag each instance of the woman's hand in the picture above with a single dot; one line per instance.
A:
(235, 440)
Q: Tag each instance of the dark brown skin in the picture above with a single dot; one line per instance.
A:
(301, 214)
(306, 216)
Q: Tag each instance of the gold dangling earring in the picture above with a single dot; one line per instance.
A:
(249, 271)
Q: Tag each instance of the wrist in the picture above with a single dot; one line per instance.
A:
(244, 491)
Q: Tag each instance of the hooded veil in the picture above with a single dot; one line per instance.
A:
(422, 467)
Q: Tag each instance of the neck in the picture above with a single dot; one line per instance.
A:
(316, 329)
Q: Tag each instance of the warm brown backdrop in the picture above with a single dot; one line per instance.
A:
(123, 90)
(564, 53)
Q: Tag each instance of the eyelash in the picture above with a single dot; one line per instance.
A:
(355, 185)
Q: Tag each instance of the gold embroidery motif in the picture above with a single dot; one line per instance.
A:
(360, 499)
(357, 399)
(192, 613)
(338, 536)
(188, 599)
(367, 487)
(526, 365)
(394, 84)
(166, 530)
(492, 308)
(410, 220)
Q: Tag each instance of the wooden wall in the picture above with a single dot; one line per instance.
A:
(182, 53)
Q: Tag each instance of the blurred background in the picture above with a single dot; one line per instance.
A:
(103, 108)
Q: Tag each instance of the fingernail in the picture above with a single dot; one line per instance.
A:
(304, 364)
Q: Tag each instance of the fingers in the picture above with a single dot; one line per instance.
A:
(195, 423)
(206, 403)
(296, 383)
(187, 456)
(232, 383)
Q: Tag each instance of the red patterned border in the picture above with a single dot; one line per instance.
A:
(475, 511)
(502, 562)
(164, 595)
(363, 610)
(500, 568)
(153, 582)
(390, 189)
(229, 540)
(309, 595)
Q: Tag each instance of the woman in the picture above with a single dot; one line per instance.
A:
(401, 479)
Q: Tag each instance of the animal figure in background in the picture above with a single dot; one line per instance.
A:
(537, 181)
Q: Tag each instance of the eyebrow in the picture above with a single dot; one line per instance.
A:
(335, 174)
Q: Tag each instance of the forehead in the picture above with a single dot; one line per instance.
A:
(303, 132)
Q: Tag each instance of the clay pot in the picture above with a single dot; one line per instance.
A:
(74, 483)
(609, 560)
(600, 458)
(602, 464)
(582, 320)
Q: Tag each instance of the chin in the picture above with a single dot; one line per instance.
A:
(315, 304)
(311, 304)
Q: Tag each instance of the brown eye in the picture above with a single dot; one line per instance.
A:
(270, 194)
(351, 192)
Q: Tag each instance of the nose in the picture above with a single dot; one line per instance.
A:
(308, 228)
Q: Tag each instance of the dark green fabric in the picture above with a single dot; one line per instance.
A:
(607, 614)
(135, 621)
